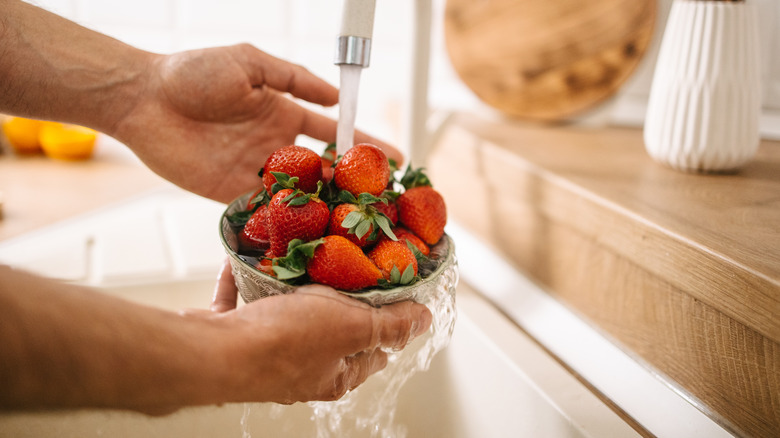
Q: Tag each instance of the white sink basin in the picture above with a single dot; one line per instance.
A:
(491, 381)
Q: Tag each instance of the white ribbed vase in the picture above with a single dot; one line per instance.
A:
(705, 100)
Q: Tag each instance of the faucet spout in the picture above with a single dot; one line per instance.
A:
(353, 46)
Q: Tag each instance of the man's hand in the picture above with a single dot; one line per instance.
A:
(208, 119)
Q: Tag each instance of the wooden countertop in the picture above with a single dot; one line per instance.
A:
(681, 269)
(721, 232)
(36, 191)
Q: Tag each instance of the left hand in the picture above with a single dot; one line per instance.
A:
(207, 119)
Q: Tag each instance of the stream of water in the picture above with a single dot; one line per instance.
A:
(348, 99)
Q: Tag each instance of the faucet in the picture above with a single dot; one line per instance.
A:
(354, 48)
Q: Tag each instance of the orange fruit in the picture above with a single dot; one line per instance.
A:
(67, 142)
(22, 134)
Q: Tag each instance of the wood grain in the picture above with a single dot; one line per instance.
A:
(547, 60)
(682, 271)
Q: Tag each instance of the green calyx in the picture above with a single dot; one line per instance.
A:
(415, 178)
(399, 279)
(366, 217)
(260, 199)
(293, 265)
(240, 218)
(298, 197)
(283, 181)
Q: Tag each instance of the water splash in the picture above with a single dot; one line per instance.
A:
(370, 409)
(245, 422)
(348, 98)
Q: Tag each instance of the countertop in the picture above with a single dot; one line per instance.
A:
(37, 191)
(680, 270)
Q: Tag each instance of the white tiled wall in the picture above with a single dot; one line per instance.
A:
(303, 31)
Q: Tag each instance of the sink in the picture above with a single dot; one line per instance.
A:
(491, 381)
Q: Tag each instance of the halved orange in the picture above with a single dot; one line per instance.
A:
(67, 142)
(22, 134)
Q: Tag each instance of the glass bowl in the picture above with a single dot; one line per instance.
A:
(440, 274)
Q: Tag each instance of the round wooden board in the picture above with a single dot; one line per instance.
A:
(550, 59)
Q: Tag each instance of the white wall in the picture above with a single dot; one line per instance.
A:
(303, 31)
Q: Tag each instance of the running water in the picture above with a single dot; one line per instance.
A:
(348, 97)
(370, 409)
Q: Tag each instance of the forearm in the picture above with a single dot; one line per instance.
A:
(70, 347)
(52, 68)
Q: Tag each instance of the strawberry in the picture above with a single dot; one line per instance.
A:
(396, 261)
(295, 161)
(422, 210)
(341, 264)
(266, 264)
(295, 215)
(359, 220)
(364, 168)
(403, 235)
(254, 236)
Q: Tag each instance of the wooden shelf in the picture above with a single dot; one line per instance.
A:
(682, 270)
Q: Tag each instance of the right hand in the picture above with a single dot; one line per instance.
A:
(317, 344)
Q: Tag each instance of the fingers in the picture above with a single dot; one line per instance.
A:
(225, 292)
(392, 326)
(356, 370)
(284, 76)
(397, 324)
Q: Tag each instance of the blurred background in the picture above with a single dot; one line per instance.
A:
(303, 31)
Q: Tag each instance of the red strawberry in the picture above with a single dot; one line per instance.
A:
(403, 235)
(295, 215)
(359, 219)
(422, 210)
(266, 264)
(391, 255)
(254, 236)
(364, 168)
(337, 217)
(295, 161)
(341, 264)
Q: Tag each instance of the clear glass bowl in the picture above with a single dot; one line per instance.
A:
(440, 275)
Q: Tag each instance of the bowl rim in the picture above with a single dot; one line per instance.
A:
(366, 295)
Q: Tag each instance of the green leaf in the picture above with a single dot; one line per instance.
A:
(293, 265)
(347, 197)
(239, 219)
(408, 274)
(352, 219)
(283, 181)
(367, 198)
(299, 200)
(384, 223)
(395, 275)
(260, 198)
(421, 258)
(414, 178)
(362, 228)
(283, 273)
